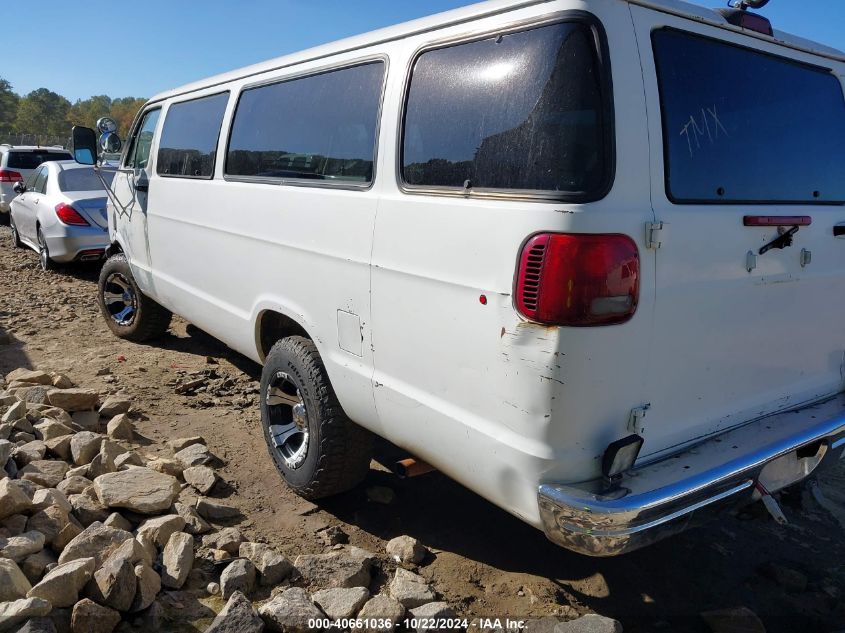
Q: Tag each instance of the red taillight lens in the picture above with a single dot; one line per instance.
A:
(578, 280)
(68, 215)
(7, 175)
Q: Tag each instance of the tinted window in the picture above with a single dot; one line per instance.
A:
(518, 111)
(321, 127)
(30, 182)
(139, 153)
(742, 126)
(189, 138)
(82, 179)
(40, 185)
(31, 160)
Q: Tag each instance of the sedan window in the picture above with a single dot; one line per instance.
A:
(40, 185)
(83, 179)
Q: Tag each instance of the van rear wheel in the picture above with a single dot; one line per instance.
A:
(316, 448)
(128, 312)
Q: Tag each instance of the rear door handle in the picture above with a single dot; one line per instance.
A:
(142, 186)
(839, 230)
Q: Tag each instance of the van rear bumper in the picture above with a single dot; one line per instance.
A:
(667, 496)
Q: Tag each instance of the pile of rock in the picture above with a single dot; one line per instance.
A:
(98, 536)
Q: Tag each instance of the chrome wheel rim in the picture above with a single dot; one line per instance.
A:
(288, 420)
(43, 253)
(15, 238)
(120, 299)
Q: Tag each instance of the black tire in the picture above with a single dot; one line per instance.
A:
(337, 454)
(16, 237)
(138, 318)
(44, 260)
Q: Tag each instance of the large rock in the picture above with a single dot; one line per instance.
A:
(194, 455)
(14, 525)
(74, 485)
(238, 616)
(127, 459)
(61, 586)
(431, 611)
(214, 510)
(167, 466)
(138, 489)
(13, 500)
(97, 541)
(147, 586)
(341, 603)
(14, 413)
(73, 399)
(46, 497)
(50, 522)
(67, 534)
(177, 560)
(120, 427)
(194, 523)
(29, 452)
(59, 447)
(33, 376)
(50, 429)
(335, 569)
(38, 625)
(113, 584)
(34, 565)
(87, 507)
(44, 472)
(228, 539)
(159, 529)
(6, 448)
(13, 583)
(410, 589)
(13, 613)
(87, 420)
(115, 405)
(181, 443)
(131, 550)
(290, 612)
(18, 548)
(272, 566)
(117, 520)
(238, 576)
(382, 608)
(84, 447)
(200, 477)
(590, 623)
(406, 550)
(733, 620)
(90, 617)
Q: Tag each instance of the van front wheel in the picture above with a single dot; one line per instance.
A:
(315, 447)
(128, 312)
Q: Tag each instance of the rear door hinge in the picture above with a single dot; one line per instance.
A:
(655, 234)
(636, 419)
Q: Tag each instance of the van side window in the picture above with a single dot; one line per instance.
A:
(518, 111)
(315, 128)
(189, 137)
(139, 152)
(742, 126)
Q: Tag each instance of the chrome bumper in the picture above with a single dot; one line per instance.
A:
(670, 495)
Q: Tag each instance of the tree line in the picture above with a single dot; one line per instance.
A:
(44, 112)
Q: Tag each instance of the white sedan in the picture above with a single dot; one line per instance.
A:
(60, 212)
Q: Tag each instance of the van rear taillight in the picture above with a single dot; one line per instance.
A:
(578, 280)
(6, 175)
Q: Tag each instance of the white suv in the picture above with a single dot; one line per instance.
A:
(17, 162)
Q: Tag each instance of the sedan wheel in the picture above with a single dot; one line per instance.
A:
(16, 237)
(44, 253)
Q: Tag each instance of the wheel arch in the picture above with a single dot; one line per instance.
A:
(273, 323)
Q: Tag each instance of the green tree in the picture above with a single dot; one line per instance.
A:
(43, 111)
(123, 110)
(8, 106)
(88, 111)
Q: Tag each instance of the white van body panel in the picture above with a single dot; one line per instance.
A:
(409, 296)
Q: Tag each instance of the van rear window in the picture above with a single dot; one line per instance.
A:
(31, 160)
(741, 126)
(523, 111)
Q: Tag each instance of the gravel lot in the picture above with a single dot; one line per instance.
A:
(484, 562)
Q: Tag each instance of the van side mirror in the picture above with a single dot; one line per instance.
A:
(19, 187)
(84, 145)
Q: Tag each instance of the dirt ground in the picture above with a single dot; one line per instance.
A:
(485, 562)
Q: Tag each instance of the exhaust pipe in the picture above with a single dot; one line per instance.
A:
(412, 467)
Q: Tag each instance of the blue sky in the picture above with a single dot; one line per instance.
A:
(156, 44)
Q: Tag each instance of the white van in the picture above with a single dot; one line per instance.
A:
(586, 257)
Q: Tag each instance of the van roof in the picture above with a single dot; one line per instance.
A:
(476, 11)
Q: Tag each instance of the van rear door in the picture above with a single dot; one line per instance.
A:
(746, 144)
